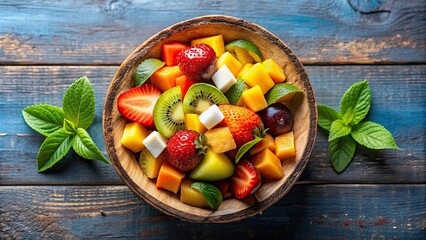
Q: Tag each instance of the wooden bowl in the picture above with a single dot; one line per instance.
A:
(302, 107)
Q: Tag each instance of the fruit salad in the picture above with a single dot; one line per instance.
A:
(208, 120)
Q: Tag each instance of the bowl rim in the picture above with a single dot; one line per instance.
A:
(132, 58)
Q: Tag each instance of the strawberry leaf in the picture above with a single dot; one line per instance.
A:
(84, 146)
(44, 118)
(210, 192)
(53, 149)
(246, 147)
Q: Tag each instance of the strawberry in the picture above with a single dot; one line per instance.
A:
(197, 62)
(184, 149)
(224, 187)
(245, 181)
(241, 122)
(137, 104)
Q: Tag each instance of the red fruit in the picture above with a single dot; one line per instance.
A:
(182, 150)
(197, 62)
(245, 181)
(137, 104)
(224, 187)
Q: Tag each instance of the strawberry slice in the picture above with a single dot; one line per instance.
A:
(245, 181)
(137, 104)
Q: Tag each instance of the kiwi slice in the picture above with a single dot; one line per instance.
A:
(168, 113)
(201, 96)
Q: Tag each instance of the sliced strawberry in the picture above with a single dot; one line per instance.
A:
(245, 181)
(137, 104)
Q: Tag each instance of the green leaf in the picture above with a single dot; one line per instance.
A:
(210, 192)
(356, 100)
(79, 103)
(373, 135)
(144, 70)
(342, 151)
(44, 118)
(246, 147)
(327, 115)
(338, 129)
(69, 127)
(53, 149)
(84, 146)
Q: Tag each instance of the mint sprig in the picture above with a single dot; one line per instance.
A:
(347, 128)
(65, 127)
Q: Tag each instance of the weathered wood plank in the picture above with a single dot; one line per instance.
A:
(398, 102)
(307, 212)
(104, 32)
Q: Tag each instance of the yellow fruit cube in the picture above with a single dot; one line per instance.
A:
(254, 99)
(227, 59)
(268, 164)
(192, 196)
(274, 71)
(244, 69)
(149, 164)
(243, 55)
(257, 75)
(216, 42)
(267, 142)
(284, 146)
(133, 135)
(192, 122)
(220, 139)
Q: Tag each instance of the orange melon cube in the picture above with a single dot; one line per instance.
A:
(284, 146)
(267, 142)
(268, 164)
(227, 59)
(169, 178)
(165, 77)
(192, 122)
(257, 75)
(274, 71)
(133, 135)
(244, 69)
(220, 139)
(254, 99)
(216, 42)
(192, 196)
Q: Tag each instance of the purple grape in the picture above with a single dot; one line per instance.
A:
(277, 117)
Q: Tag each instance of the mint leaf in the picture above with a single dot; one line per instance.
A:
(44, 118)
(356, 102)
(69, 126)
(53, 149)
(327, 115)
(79, 103)
(342, 151)
(246, 147)
(84, 146)
(373, 135)
(338, 129)
(210, 192)
(144, 70)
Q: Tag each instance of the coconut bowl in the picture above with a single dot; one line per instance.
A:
(302, 107)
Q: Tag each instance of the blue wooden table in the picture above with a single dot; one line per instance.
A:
(44, 47)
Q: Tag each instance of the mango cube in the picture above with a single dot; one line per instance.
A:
(244, 69)
(155, 143)
(243, 55)
(133, 135)
(191, 196)
(268, 164)
(220, 140)
(254, 99)
(216, 42)
(284, 146)
(257, 75)
(267, 142)
(192, 122)
(274, 71)
(211, 117)
(223, 79)
(165, 77)
(227, 59)
(169, 178)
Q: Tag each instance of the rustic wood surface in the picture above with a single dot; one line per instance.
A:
(45, 47)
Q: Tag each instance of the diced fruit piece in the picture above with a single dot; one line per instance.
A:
(254, 99)
(268, 164)
(192, 196)
(243, 55)
(169, 178)
(257, 75)
(210, 192)
(234, 93)
(216, 42)
(201, 96)
(245, 181)
(197, 62)
(213, 167)
(244, 69)
(227, 59)
(165, 77)
(136, 104)
(220, 140)
(248, 46)
(192, 122)
(274, 71)
(224, 187)
(133, 135)
(149, 164)
(277, 117)
(170, 51)
(145, 70)
(211, 117)
(155, 143)
(223, 79)
(184, 150)
(184, 83)
(282, 92)
(168, 112)
(267, 142)
(284, 146)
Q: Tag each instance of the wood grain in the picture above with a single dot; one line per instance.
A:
(105, 32)
(307, 212)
